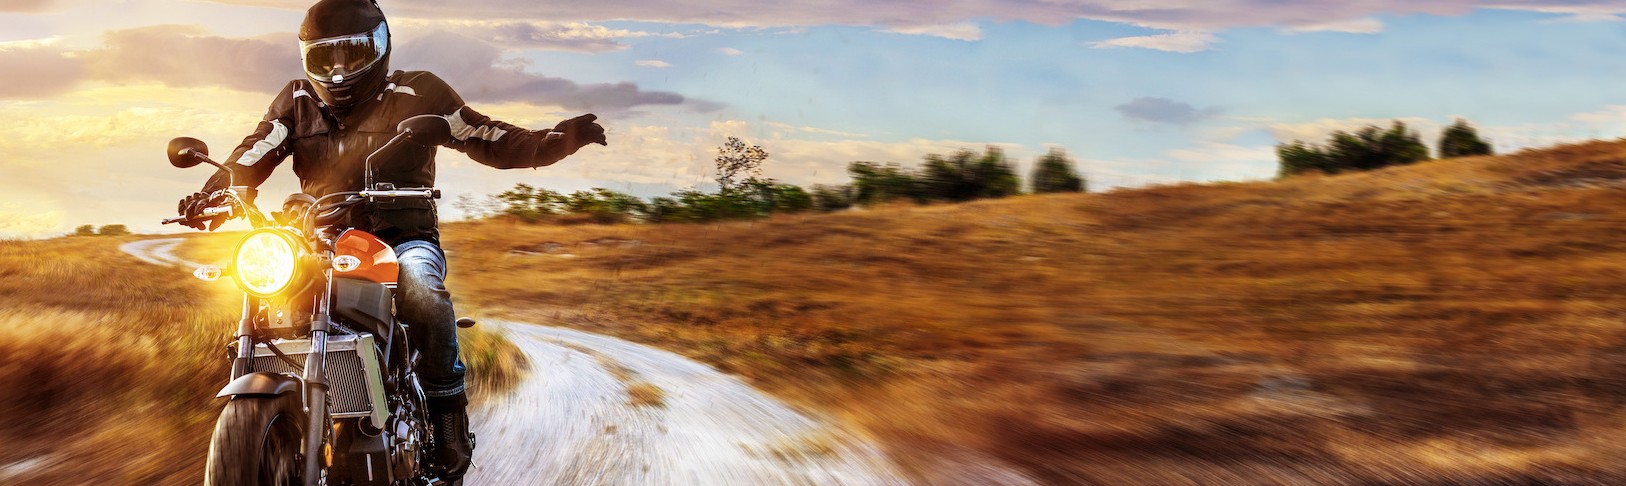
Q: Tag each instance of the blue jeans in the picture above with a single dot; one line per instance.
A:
(421, 300)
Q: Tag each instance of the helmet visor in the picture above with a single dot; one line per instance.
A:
(332, 59)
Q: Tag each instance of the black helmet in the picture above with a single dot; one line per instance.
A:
(345, 46)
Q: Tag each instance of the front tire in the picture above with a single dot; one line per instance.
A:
(258, 442)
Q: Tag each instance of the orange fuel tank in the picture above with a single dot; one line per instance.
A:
(376, 259)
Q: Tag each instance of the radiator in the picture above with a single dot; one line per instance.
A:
(355, 382)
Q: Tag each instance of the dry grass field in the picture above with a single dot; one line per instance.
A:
(109, 366)
(1453, 322)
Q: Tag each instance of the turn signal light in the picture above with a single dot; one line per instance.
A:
(208, 273)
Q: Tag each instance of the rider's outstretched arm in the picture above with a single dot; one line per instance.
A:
(502, 145)
(489, 141)
(262, 151)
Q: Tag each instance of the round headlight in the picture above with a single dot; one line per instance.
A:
(265, 263)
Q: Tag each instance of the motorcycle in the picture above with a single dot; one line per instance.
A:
(322, 388)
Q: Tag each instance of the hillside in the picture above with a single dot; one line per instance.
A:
(1451, 322)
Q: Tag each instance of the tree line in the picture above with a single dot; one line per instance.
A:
(104, 230)
(744, 193)
(1373, 147)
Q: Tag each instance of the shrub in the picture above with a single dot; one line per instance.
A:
(1054, 172)
(1369, 148)
(1462, 140)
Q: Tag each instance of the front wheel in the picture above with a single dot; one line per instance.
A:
(257, 442)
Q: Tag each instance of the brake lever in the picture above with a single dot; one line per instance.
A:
(207, 214)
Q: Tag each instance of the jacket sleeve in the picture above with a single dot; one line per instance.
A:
(265, 149)
(502, 145)
(483, 139)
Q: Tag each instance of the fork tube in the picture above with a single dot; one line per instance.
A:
(316, 384)
(244, 362)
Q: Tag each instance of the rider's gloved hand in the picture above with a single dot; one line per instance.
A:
(192, 207)
(580, 131)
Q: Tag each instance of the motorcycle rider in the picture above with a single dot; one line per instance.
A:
(348, 106)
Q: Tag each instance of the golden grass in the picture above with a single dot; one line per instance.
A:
(1451, 322)
(102, 362)
(109, 366)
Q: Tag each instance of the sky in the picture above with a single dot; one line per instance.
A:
(1136, 91)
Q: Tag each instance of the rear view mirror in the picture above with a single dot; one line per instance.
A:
(426, 130)
(184, 152)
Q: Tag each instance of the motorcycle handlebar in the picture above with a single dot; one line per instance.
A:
(406, 193)
(208, 213)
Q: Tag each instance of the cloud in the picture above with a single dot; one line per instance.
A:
(479, 72)
(186, 56)
(26, 6)
(654, 63)
(1163, 110)
(929, 17)
(1352, 26)
(1181, 42)
(729, 51)
(559, 36)
(49, 70)
(965, 31)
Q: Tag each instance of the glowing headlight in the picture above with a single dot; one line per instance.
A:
(265, 263)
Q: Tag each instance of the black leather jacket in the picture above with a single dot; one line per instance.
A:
(329, 150)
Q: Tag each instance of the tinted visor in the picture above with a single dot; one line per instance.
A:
(344, 56)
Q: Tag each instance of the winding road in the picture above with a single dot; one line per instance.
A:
(596, 410)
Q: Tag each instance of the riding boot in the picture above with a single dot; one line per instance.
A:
(452, 449)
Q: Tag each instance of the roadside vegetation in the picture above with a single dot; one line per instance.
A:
(1373, 147)
(743, 193)
(108, 366)
(1454, 322)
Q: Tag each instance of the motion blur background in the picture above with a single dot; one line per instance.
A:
(1140, 92)
(1385, 312)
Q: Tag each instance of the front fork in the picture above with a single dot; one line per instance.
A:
(316, 385)
(315, 376)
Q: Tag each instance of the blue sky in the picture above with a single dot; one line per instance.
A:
(1137, 92)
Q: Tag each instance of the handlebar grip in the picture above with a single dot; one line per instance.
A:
(208, 213)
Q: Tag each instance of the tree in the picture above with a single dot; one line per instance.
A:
(85, 230)
(530, 203)
(1299, 158)
(604, 206)
(996, 175)
(1054, 172)
(791, 199)
(738, 163)
(832, 198)
(875, 183)
(1369, 148)
(113, 230)
(1462, 140)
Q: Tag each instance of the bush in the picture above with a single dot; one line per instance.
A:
(791, 199)
(604, 206)
(113, 230)
(964, 176)
(832, 198)
(874, 183)
(1462, 140)
(1370, 148)
(85, 230)
(530, 203)
(1054, 172)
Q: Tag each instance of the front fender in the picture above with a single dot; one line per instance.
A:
(260, 384)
